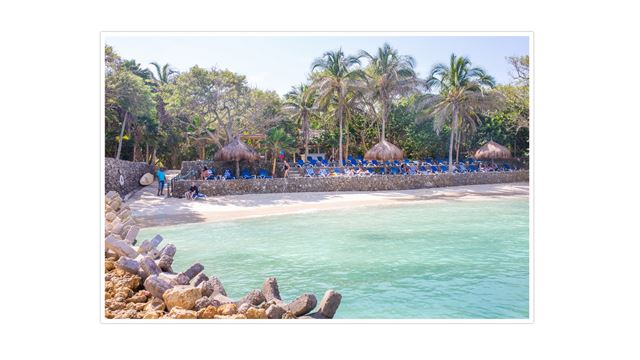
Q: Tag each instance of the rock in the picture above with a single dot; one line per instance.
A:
(202, 303)
(156, 286)
(227, 309)
(288, 315)
(217, 286)
(183, 296)
(302, 304)
(181, 279)
(254, 297)
(110, 196)
(131, 234)
(275, 312)
(109, 265)
(329, 304)
(146, 179)
(119, 247)
(169, 250)
(126, 280)
(198, 279)
(207, 313)
(155, 305)
(139, 297)
(193, 270)
(180, 313)
(150, 267)
(270, 289)
(110, 216)
(152, 315)
(221, 299)
(116, 229)
(243, 308)
(165, 262)
(256, 313)
(126, 264)
(149, 244)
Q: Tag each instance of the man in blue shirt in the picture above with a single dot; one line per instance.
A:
(160, 175)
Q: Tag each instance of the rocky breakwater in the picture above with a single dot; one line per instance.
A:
(140, 282)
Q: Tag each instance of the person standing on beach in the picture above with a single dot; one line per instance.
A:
(160, 175)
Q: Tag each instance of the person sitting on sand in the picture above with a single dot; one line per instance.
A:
(192, 193)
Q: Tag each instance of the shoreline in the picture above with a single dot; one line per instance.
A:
(150, 210)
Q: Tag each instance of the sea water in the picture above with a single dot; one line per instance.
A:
(452, 259)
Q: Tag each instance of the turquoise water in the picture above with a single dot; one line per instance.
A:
(433, 260)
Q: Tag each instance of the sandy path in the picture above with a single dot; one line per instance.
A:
(151, 210)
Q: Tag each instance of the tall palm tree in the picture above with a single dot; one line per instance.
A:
(300, 103)
(391, 75)
(461, 96)
(336, 79)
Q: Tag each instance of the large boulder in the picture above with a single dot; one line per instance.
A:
(146, 179)
(329, 304)
(183, 296)
(302, 304)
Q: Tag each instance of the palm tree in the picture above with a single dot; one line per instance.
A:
(163, 73)
(391, 75)
(334, 82)
(277, 139)
(460, 99)
(300, 103)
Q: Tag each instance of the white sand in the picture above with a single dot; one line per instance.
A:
(151, 210)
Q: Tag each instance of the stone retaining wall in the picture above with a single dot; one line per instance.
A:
(131, 173)
(331, 184)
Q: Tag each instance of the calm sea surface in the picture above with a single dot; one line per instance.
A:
(434, 260)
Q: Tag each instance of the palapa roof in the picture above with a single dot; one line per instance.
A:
(384, 150)
(236, 151)
(492, 150)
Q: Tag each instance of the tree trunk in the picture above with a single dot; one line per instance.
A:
(340, 137)
(237, 169)
(458, 148)
(384, 119)
(202, 151)
(153, 157)
(454, 126)
(135, 149)
(124, 123)
(273, 167)
(305, 120)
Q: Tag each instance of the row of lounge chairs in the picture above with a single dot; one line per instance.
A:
(393, 170)
(228, 175)
(359, 161)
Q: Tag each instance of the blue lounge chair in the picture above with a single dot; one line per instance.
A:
(323, 173)
(337, 171)
(300, 163)
(353, 162)
(375, 162)
(434, 169)
(396, 162)
(213, 174)
(344, 163)
(472, 168)
(246, 175)
(506, 167)
(263, 174)
(227, 175)
(313, 162)
(309, 173)
(324, 162)
(394, 171)
(444, 168)
(371, 171)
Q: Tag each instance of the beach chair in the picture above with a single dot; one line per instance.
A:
(396, 162)
(263, 174)
(353, 162)
(309, 172)
(472, 168)
(371, 171)
(394, 171)
(323, 173)
(227, 175)
(300, 163)
(423, 170)
(506, 167)
(213, 174)
(337, 171)
(413, 170)
(324, 162)
(375, 163)
(444, 168)
(434, 169)
(246, 175)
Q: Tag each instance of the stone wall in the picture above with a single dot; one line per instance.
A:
(331, 184)
(131, 173)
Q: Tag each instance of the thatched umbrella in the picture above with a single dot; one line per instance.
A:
(492, 150)
(236, 151)
(384, 150)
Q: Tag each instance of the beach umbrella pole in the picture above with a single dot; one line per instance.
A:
(237, 169)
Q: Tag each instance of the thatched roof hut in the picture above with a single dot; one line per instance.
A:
(492, 150)
(236, 151)
(384, 150)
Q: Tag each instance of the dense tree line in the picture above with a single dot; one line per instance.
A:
(348, 104)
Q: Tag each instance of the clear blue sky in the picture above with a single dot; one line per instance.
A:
(279, 62)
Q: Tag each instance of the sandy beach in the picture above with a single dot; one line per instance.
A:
(150, 210)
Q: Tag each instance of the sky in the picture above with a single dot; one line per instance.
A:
(280, 62)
